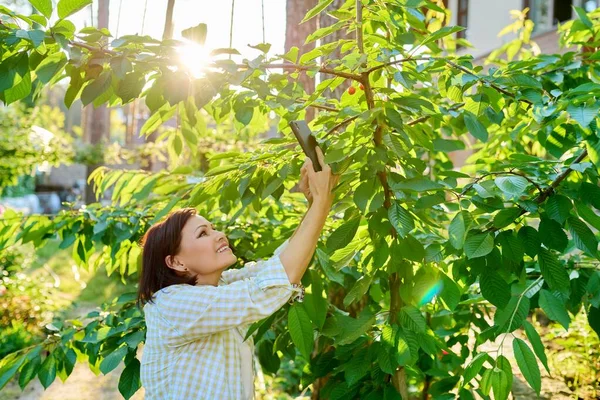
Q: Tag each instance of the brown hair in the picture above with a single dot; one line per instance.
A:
(161, 240)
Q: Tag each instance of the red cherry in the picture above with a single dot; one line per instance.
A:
(351, 90)
(445, 352)
(361, 86)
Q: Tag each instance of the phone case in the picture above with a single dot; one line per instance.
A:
(307, 141)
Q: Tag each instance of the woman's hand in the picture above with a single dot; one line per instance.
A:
(321, 184)
(303, 185)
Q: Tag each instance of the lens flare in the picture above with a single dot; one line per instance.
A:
(195, 58)
(434, 290)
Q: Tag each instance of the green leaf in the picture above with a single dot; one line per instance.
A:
(553, 272)
(130, 86)
(450, 292)
(593, 319)
(554, 308)
(445, 31)
(583, 114)
(479, 245)
(503, 364)
(474, 366)
(359, 289)
(585, 88)
(583, 17)
(36, 36)
(96, 88)
(316, 10)
(411, 248)
(558, 208)
(401, 220)
(351, 328)
(19, 91)
(113, 360)
(530, 239)
(301, 330)
(11, 363)
(43, 6)
(343, 235)
(514, 185)
(129, 381)
(506, 217)
(536, 342)
(69, 7)
(475, 127)
(263, 47)
(512, 247)
(486, 382)
(51, 66)
(177, 144)
(458, 228)
(315, 303)
(494, 288)
(267, 356)
(588, 215)
(292, 55)
(29, 371)
(527, 364)
(500, 385)
(217, 52)
(196, 33)
(47, 372)
(512, 316)
(552, 234)
(362, 194)
(394, 118)
(244, 114)
(357, 367)
(417, 185)
(583, 236)
(411, 318)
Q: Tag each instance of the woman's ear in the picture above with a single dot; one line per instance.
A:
(174, 264)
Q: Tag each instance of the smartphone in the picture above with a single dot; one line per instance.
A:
(307, 141)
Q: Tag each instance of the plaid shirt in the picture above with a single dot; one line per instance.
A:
(191, 350)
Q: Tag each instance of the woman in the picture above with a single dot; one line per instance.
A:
(198, 312)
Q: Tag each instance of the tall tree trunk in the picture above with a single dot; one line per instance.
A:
(324, 21)
(151, 164)
(295, 35)
(96, 121)
(168, 32)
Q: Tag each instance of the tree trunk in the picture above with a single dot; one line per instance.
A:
(168, 32)
(295, 35)
(151, 164)
(324, 21)
(96, 121)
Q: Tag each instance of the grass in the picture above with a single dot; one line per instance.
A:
(76, 288)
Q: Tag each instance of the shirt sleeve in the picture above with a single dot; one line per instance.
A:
(197, 311)
(249, 270)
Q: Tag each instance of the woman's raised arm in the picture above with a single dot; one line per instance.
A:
(298, 253)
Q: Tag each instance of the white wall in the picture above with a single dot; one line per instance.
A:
(486, 19)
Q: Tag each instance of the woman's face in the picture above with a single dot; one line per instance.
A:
(198, 250)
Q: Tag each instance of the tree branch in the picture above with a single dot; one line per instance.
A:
(468, 187)
(341, 124)
(319, 106)
(498, 88)
(359, 31)
(323, 70)
(375, 68)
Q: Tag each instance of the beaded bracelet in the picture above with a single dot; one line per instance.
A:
(299, 297)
